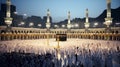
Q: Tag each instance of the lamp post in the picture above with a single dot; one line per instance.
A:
(63, 26)
(72, 26)
(31, 24)
(39, 25)
(95, 24)
(15, 13)
(56, 26)
(24, 19)
(22, 24)
(76, 25)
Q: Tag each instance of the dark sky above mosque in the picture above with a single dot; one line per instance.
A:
(59, 8)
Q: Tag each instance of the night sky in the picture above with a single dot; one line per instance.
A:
(59, 8)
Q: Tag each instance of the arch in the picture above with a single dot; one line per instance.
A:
(3, 31)
(97, 32)
(100, 32)
(116, 32)
(30, 31)
(112, 32)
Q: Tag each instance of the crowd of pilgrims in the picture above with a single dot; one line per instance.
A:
(79, 53)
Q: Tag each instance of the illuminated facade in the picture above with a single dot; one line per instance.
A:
(37, 33)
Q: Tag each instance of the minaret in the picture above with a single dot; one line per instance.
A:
(8, 19)
(108, 19)
(87, 24)
(48, 20)
(69, 23)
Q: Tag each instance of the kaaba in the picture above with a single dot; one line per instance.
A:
(61, 37)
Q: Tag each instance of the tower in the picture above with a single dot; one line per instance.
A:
(69, 23)
(8, 19)
(108, 19)
(87, 24)
(48, 20)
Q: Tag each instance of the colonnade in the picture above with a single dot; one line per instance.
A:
(34, 33)
(25, 36)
